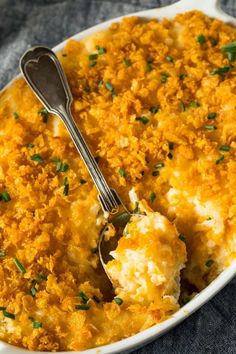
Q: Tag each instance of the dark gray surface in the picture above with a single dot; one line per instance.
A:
(23, 23)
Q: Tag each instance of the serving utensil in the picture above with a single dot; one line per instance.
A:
(44, 74)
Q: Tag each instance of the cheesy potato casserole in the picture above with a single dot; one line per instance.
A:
(156, 102)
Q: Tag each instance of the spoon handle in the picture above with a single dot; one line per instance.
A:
(44, 74)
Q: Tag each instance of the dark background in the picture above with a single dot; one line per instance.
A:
(24, 23)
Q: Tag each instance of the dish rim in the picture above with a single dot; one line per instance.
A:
(212, 9)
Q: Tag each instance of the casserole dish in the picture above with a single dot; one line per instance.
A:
(140, 339)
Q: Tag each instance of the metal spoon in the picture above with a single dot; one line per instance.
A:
(44, 74)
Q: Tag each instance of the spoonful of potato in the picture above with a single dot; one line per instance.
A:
(44, 74)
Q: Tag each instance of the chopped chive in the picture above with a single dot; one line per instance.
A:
(155, 173)
(2, 254)
(230, 50)
(201, 39)
(152, 196)
(122, 172)
(35, 281)
(41, 276)
(142, 119)
(82, 307)
(36, 158)
(224, 148)
(19, 265)
(148, 67)
(185, 300)
(194, 104)
(209, 218)
(109, 86)
(182, 106)
(83, 297)
(213, 41)
(37, 325)
(92, 64)
(171, 145)
(127, 62)
(209, 263)
(210, 127)
(169, 58)
(82, 181)
(60, 167)
(182, 76)
(154, 109)
(8, 314)
(182, 237)
(5, 196)
(65, 167)
(33, 291)
(96, 299)
(30, 145)
(2, 308)
(170, 156)
(136, 208)
(221, 158)
(159, 165)
(222, 71)
(93, 56)
(100, 83)
(55, 160)
(118, 300)
(163, 77)
(44, 113)
(66, 186)
(16, 115)
(212, 115)
(101, 50)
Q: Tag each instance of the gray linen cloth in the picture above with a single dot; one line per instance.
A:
(24, 23)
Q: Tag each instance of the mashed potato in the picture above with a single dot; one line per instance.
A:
(148, 260)
(156, 102)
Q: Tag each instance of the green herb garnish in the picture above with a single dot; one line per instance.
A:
(33, 291)
(82, 307)
(127, 62)
(109, 86)
(201, 39)
(152, 196)
(136, 208)
(220, 159)
(118, 300)
(210, 127)
(154, 109)
(15, 115)
(209, 263)
(83, 297)
(5, 196)
(93, 56)
(185, 300)
(169, 58)
(100, 84)
(224, 148)
(30, 145)
(182, 237)
(44, 113)
(101, 50)
(230, 50)
(8, 314)
(41, 276)
(37, 325)
(159, 165)
(155, 173)
(122, 172)
(142, 119)
(182, 106)
(194, 104)
(19, 265)
(36, 158)
(182, 76)
(66, 186)
(222, 71)
(212, 115)
(148, 67)
(92, 64)
(2, 254)
(163, 77)
(2, 308)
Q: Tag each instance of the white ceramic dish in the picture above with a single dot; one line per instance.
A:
(212, 9)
